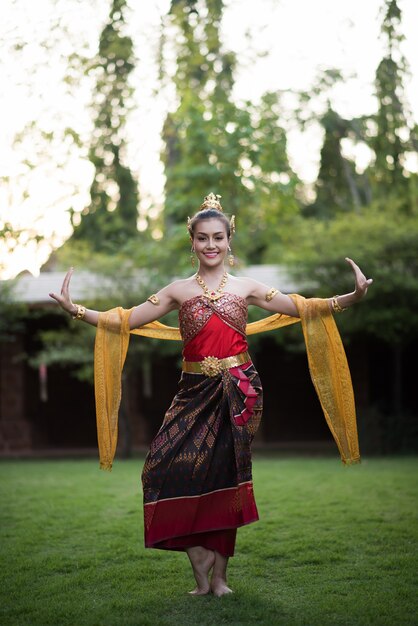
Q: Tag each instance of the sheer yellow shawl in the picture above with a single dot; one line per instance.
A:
(326, 358)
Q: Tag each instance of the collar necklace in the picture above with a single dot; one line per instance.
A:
(209, 293)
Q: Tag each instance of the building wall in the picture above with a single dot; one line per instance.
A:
(66, 417)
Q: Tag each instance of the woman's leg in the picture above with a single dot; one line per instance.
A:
(202, 561)
(218, 584)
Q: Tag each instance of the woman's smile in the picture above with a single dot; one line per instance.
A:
(211, 255)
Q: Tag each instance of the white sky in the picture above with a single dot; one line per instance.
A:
(293, 37)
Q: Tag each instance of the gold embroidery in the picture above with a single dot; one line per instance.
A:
(236, 502)
(173, 430)
(194, 313)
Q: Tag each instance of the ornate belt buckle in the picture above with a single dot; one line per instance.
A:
(211, 366)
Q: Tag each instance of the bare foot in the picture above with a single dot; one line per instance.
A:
(199, 592)
(202, 561)
(219, 587)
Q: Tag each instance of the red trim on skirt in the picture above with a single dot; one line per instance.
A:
(177, 523)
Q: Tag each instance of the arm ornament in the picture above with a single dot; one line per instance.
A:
(154, 299)
(81, 311)
(335, 306)
(271, 293)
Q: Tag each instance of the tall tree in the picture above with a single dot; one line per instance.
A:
(338, 186)
(394, 132)
(212, 144)
(112, 216)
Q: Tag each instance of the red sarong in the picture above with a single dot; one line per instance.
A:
(197, 477)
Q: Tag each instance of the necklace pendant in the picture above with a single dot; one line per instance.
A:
(213, 296)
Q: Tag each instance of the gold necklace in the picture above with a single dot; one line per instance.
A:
(210, 294)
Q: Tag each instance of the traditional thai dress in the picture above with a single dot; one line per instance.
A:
(197, 478)
(197, 475)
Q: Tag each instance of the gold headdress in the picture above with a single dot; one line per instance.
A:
(211, 202)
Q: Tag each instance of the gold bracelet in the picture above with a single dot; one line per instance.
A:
(154, 299)
(81, 311)
(271, 293)
(336, 307)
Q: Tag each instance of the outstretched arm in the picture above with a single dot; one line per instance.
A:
(277, 302)
(142, 314)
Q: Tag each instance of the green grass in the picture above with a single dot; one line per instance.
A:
(335, 546)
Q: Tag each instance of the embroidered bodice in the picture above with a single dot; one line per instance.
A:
(195, 313)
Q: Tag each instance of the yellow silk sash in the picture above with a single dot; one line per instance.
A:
(326, 358)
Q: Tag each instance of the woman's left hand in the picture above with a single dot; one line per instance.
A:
(361, 282)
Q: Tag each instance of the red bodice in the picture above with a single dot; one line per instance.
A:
(213, 328)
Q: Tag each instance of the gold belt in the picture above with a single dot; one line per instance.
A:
(211, 365)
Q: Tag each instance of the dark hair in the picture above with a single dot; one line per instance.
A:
(207, 214)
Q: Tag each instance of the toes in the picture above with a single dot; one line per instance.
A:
(198, 592)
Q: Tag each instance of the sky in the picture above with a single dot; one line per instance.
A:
(280, 44)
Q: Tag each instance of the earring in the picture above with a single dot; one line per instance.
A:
(192, 257)
(231, 258)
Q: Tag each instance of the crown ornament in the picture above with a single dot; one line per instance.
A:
(212, 202)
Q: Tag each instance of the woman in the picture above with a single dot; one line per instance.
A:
(197, 475)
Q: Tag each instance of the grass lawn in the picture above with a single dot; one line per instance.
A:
(335, 546)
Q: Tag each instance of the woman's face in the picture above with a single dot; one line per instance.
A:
(210, 242)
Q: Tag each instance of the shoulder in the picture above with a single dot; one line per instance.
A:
(250, 286)
(179, 288)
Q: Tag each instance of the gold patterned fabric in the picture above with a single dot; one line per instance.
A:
(196, 312)
(197, 475)
(326, 358)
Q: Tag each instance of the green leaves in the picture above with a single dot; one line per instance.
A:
(111, 218)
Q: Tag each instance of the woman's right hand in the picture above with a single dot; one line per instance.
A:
(64, 299)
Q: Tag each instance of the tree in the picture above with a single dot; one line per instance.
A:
(338, 186)
(393, 133)
(380, 232)
(389, 256)
(212, 144)
(112, 216)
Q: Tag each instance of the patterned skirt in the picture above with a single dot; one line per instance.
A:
(197, 477)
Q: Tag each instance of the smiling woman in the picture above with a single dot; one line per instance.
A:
(197, 477)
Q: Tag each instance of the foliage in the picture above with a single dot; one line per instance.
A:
(212, 144)
(339, 188)
(112, 216)
(72, 548)
(371, 217)
(70, 347)
(12, 314)
(386, 253)
(393, 132)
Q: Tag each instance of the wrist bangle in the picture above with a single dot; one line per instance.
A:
(335, 306)
(81, 311)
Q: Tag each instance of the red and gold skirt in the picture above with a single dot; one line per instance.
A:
(197, 477)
